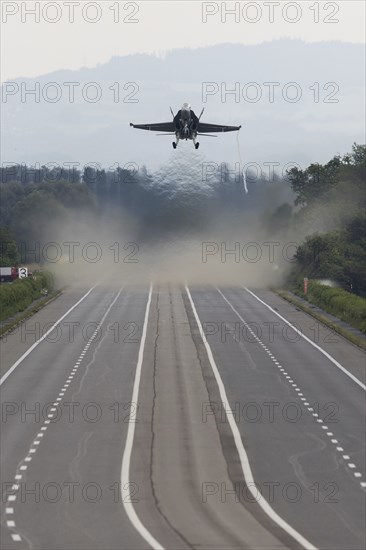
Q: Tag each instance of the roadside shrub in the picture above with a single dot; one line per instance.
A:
(18, 295)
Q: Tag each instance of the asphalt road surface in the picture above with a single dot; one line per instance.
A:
(174, 417)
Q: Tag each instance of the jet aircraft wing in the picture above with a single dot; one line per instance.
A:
(156, 126)
(215, 128)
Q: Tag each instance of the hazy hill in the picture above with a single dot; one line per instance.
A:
(278, 131)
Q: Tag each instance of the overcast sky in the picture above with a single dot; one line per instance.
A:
(64, 35)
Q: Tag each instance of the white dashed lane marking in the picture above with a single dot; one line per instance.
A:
(37, 440)
(288, 379)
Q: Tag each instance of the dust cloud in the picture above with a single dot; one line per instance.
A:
(189, 222)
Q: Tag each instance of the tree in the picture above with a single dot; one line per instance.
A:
(9, 255)
(313, 182)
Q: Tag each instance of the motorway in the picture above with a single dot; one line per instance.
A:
(178, 417)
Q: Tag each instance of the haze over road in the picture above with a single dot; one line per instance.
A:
(180, 417)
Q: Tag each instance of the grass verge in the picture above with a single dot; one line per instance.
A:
(17, 296)
(15, 322)
(354, 338)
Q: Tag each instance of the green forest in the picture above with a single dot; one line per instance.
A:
(335, 193)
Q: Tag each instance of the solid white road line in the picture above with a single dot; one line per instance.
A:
(327, 355)
(13, 367)
(247, 472)
(125, 470)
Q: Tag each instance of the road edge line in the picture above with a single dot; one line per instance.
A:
(44, 427)
(295, 300)
(327, 355)
(33, 346)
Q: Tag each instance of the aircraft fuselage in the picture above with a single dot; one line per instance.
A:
(186, 122)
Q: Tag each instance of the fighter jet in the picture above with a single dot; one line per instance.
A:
(186, 125)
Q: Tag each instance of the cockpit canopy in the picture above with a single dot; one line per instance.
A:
(186, 112)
